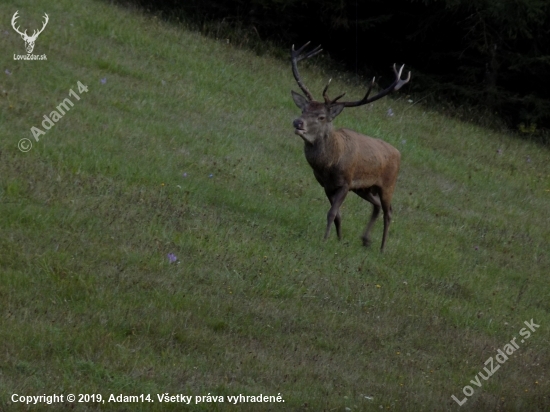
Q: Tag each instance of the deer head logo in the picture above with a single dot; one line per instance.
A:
(29, 40)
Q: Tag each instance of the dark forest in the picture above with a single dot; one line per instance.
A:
(477, 56)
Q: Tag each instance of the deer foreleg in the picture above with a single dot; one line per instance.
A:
(336, 199)
(376, 206)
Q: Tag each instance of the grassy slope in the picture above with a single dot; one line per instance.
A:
(257, 303)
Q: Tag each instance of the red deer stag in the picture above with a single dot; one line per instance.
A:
(344, 160)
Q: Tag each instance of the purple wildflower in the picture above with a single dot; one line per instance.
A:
(171, 257)
(104, 80)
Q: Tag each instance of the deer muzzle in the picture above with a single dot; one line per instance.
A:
(300, 130)
(298, 126)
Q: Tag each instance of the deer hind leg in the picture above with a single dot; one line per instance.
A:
(370, 196)
(336, 198)
(387, 209)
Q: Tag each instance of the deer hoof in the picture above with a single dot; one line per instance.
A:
(366, 241)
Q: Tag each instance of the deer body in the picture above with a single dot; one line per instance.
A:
(344, 160)
(359, 161)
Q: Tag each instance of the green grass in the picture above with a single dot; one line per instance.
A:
(257, 303)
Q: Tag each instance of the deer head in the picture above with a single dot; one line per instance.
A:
(316, 119)
(29, 40)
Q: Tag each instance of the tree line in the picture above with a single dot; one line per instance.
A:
(485, 55)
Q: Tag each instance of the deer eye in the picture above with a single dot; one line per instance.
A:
(322, 117)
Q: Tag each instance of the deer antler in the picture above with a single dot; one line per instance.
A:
(37, 32)
(295, 57)
(13, 21)
(396, 85)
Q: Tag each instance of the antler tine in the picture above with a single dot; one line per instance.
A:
(37, 32)
(325, 95)
(361, 102)
(396, 85)
(13, 22)
(301, 48)
(295, 57)
(370, 87)
(337, 98)
(398, 73)
(46, 20)
(327, 99)
(400, 83)
(311, 53)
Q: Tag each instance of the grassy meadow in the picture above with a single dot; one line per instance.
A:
(165, 235)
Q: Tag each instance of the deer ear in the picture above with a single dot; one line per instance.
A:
(300, 100)
(335, 110)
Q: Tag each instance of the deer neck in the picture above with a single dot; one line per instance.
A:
(325, 151)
